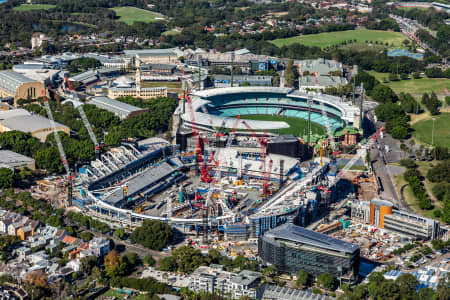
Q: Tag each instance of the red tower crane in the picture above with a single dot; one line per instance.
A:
(198, 150)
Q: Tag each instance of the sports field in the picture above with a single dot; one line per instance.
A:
(423, 130)
(298, 126)
(326, 39)
(129, 15)
(27, 7)
(173, 86)
(440, 86)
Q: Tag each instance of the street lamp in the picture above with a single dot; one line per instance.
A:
(432, 133)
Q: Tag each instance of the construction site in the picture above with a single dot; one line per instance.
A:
(222, 177)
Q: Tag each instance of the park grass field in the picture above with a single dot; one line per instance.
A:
(28, 7)
(326, 39)
(297, 126)
(423, 130)
(415, 86)
(129, 15)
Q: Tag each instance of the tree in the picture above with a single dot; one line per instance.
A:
(327, 281)
(407, 284)
(290, 74)
(152, 234)
(114, 264)
(149, 260)
(168, 264)
(302, 278)
(187, 258)
(383, 93)
(6, 178)
(86, 236)
(434, 73)
(269, 271)
(120, 233)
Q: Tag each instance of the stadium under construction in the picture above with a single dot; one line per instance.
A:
(231, 183)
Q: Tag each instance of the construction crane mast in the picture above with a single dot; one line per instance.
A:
(60, 148)
(262, 142)
(85, 120)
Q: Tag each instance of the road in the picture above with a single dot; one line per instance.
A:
(378, 156)
(435, 260)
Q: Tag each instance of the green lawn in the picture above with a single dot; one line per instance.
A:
(171, 85)
(297, 126)
(415, 86)
(113, 293)
(332, 38)
(171, 32)
(423, 130)
(130, 15)
(27, 7)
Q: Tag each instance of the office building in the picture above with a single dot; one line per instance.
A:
(378, 210)
(381, 214)
(290, 248)
(412, 225)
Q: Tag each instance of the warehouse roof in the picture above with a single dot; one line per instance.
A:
(308, 237)
(119, 108)
(30, 123)
(11, 81)
(323, 80)
(7, 114)
(87, 76)
(11, 158)
(153, 52)
(321, 66)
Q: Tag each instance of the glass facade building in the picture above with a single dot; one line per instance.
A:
(291, 248)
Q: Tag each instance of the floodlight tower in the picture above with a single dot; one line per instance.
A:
(232, 66)
(309, 102)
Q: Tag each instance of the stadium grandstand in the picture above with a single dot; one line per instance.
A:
(223, 104)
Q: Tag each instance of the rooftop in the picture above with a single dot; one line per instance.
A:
(322, 80)
(83, 76)
(321, 66)
(7, 114)
(380, 202)
(308, 237)
(9, 157)
(276, 292)
(29, 123)
(152, 52)
(115, 106)
(246, 277)
(11, 81)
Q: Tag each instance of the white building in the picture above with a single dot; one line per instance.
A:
(214, 279)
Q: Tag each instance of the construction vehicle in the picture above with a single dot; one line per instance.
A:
(60, 150)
